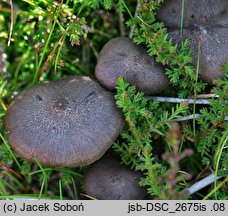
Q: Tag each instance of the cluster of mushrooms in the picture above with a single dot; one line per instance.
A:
(73, 121)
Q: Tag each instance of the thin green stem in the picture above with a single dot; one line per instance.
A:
(10, 186)
(216, 188)
(58, 53)
(23, 60)
(10, 151)
(74, 188)
(2, 188)
(127, 9)
(28, 196)
(57, 169)
(42, 187)
(44, 182)
(35, 79)
(60, 190)
(15, 180)
(218, 153)
(33, 3)
(195, 91)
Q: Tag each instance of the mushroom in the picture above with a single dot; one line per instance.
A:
(63, 123)
(121, 57)
(203, 12)
(108, 180)
(206, 22)
(213, 52)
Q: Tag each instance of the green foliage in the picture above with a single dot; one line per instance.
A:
(142, 125)
(213, 125)
(137, 136)
(177, 60)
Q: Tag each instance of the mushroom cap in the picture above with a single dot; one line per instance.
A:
(121, 57)
(63, 123)
(203, 12)
(213, 49)
(108, 180)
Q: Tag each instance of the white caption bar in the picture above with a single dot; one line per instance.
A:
(114, 208)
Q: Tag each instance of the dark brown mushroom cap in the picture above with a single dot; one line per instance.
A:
(121, 57)
(108, 180)
(68, 122)
(196, 12)
(213, 51)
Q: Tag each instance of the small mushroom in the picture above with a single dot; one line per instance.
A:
(108, 180)
(196, 12)
(213, 52)
(121, 57)
(63, 123)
